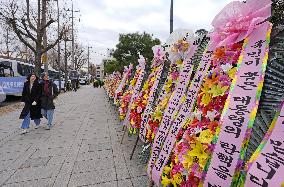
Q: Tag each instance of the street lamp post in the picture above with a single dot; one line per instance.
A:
(171, 16)
(58, 45)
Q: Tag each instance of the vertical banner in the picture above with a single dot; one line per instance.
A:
(135, 91)
(184, 112)
(268, 166)
(142, 133)
(240, 109)
(172, 108)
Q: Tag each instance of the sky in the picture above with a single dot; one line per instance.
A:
(101, 21)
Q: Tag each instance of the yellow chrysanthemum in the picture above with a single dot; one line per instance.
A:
(165, 181)
(168, 85)
(206, 98)
(168, 169)
(187, 162)
(177, 179)
(218, 90)
(205, 136)
(158, 116)
(132, 82)
(146, 86)
(198, 153)
(179, 62)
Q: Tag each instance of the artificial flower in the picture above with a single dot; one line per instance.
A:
(211, 115)
(198, 115)
(165, 181)
(158, 116)
(188, 161)
(206, 98)
(177, 179)
(205, 136)
(226, 67)
(175, 75)
(218, 90)
(198, 152)
(179, 62)
(168, 85)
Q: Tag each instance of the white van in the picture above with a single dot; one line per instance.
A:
(84, 80)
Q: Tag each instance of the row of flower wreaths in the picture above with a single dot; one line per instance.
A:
(183, 117)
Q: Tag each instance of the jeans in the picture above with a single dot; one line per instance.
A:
(27, 121)
(48, 114)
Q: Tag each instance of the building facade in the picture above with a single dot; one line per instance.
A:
(100, 74)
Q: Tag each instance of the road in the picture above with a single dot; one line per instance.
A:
(82, 149)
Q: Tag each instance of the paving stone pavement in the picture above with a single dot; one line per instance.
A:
(82, 149)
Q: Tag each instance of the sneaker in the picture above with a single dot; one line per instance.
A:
(24, 131)
(47, 127)
(37, 126)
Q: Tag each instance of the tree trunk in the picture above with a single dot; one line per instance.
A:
(43, 22)
(38, 54)
(37, 64)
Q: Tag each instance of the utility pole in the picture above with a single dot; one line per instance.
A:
(72, 17)
(73, 36)
(89, 60)
(65, 59)
(171, 16)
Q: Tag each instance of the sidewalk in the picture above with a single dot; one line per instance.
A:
(82, 149)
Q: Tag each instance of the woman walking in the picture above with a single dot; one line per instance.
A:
(49, 92)
(31, 98)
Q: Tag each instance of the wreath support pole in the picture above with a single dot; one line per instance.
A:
(135, 145)
(125, 129)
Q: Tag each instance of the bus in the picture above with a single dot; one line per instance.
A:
(5, 71)
(13, 75)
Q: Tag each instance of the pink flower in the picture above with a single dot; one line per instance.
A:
(175, 75)
(177, 169)
(139, 110)
(127, 98)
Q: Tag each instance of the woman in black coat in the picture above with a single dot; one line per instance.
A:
(49, 92)
(31, 98)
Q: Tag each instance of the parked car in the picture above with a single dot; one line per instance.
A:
(84, 80)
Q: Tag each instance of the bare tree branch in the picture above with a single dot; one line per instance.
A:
(47, 24)
(27, 30)
(28, 16)
(55, 43)
(19, 33)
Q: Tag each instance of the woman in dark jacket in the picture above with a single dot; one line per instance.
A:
(31, 98)
(49, 92)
